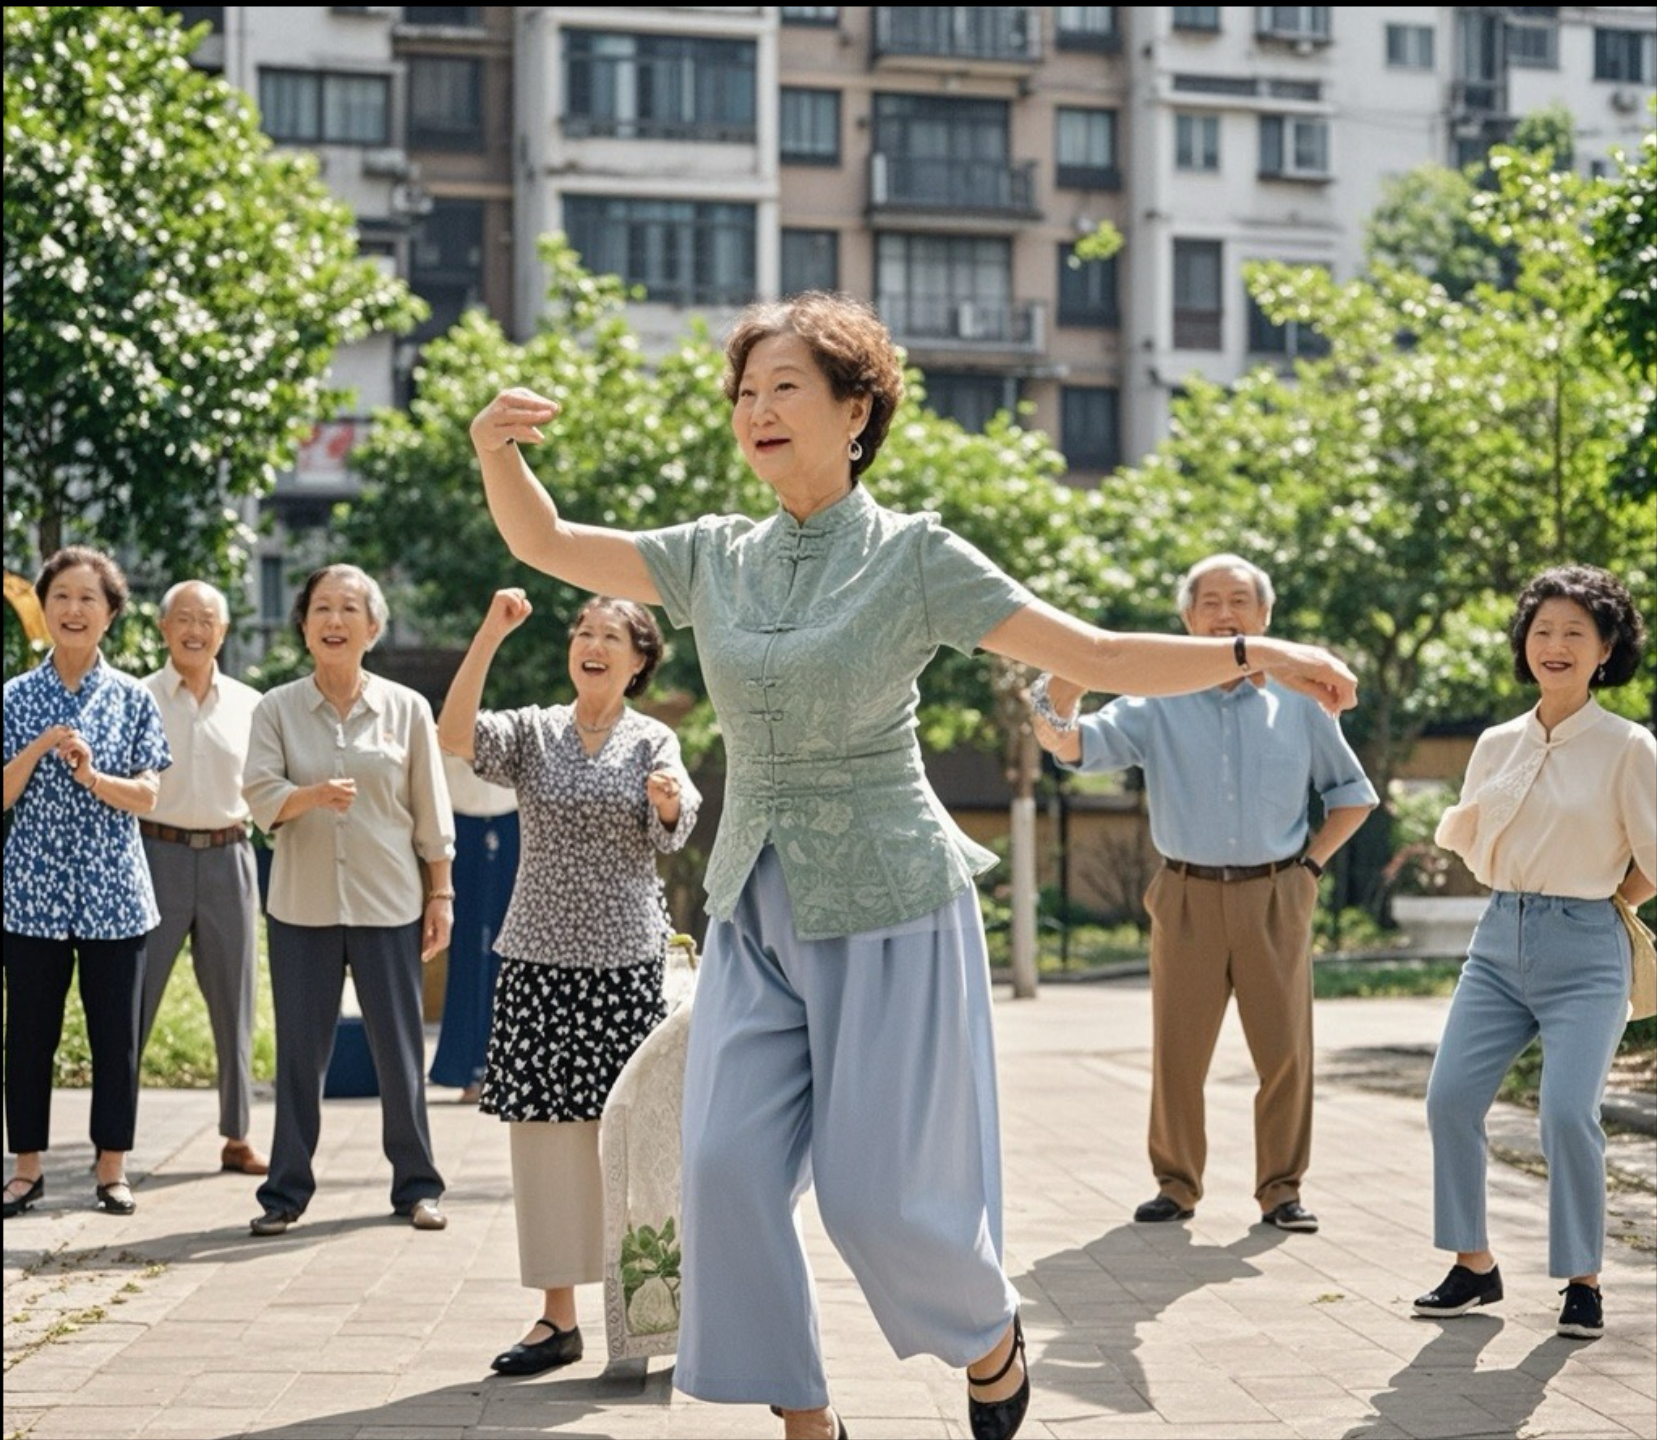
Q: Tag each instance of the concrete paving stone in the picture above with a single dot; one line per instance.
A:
(1182, 1402)
(93, 1422)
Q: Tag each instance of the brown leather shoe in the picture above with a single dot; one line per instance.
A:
(238, 1155)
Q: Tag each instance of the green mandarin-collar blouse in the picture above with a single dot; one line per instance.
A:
(811, 636)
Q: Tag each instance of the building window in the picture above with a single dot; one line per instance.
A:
(314, 107)
(450, 17)
(1198, 313)
(949, 288)
(1088, 422)
(445, 103)
(810, 121)
(446, 263)
(1410, 47)
(273, 591)
(810, 260)
(1197, 17)
(1533, 47)
(658, 87)
(942, 152)
(1087, 290)
(1197, 142)
(810, 14)
(1085, 149)
(683, 252)
(1294, 147)
(1625, 55)
(1086, 27)
(970, 400)
(1290, 341)
(1292, 22)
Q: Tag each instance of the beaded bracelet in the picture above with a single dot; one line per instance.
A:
(1043, 706)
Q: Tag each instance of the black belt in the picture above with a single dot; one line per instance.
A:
(195, 839)
(1228, 873)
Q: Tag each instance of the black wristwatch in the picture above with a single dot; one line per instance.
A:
(1313, 866)
(1240, 650)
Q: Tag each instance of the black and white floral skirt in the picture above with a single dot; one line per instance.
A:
(561, 1034)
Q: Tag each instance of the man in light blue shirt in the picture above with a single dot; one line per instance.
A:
(1227, 773)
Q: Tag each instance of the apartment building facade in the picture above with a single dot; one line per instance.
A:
(940, 161)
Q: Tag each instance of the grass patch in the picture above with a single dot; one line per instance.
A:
(1341, 980)
(180, 1054)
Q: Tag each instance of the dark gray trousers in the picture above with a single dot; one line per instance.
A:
(307, 978)
(211, 897)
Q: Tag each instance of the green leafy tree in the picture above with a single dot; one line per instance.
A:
(641, 445)
(1423, 224)
(1403, 486)
(1625, 251)
(175, 292)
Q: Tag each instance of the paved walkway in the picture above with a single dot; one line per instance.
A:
(175, 1323)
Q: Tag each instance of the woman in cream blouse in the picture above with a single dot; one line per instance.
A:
(1559, 810)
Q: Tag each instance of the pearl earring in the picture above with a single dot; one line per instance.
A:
(854, 451)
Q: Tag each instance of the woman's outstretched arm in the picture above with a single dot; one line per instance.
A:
(605, 561)
(1135, 664)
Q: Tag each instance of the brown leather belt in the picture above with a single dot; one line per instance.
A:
(1228, 873)
(195, 839)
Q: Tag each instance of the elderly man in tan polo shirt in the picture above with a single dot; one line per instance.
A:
(196, 841)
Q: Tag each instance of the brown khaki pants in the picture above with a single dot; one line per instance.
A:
(1210, 939)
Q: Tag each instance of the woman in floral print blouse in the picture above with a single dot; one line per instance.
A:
(83, 748)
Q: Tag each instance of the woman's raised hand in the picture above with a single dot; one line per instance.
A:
(511, 417)
(1310, 669)
(507, 611)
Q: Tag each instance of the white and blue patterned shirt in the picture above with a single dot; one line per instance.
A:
(73, 865)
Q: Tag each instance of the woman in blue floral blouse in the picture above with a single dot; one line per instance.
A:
(842, 1033)
(83, 748)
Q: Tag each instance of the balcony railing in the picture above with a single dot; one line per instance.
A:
(983, 187)
(958, 32)
(1478, 97)
(965, 324)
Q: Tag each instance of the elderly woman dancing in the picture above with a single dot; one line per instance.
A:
(842, 1031)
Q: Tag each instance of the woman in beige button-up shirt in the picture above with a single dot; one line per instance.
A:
(1559, 811)
(344, 772)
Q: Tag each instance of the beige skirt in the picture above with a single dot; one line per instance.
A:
(558, 1196)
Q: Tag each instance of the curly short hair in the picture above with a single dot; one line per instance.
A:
(110, 576)
(641, 625)
(852, 347)
(1604, 597)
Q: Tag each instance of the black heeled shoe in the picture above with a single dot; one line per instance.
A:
(562, 1347)
(1000, 1419)
(840, 1432)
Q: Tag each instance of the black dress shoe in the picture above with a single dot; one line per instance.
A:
(17, 1201)
(1000, 1419)
(115, 1198)
(562, 1347)
(1460, 1291)
(1292, 1215)
(273, 1222)
(1163, 1208)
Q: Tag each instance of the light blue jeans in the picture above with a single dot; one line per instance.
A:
(1539, 964)
(864, 1065)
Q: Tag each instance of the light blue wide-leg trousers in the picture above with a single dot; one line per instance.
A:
(864, 1065)
(1538, 964)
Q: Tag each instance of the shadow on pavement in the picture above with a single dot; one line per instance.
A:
(494, 1406)
(1442, 1391)
(1099, 1295)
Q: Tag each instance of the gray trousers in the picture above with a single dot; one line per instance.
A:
(307, 979)
(210, 897)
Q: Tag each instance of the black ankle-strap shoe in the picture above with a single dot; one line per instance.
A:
(562, 1347)
(1000, 1419)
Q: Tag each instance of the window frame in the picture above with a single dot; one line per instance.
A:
(1405, 33)
(1105, 455)
(643, 231)
(1198, 327)
(1087, 174)
(321, 79)
(808, 157)
(1185, 121)
(460, 136)
(800, 234)
(1288, 144)
(710, 62)
(1099, 305)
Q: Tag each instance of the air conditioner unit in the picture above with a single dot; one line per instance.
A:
(391, 163)
(1625, 99)
(410, 198)
(1304, 47)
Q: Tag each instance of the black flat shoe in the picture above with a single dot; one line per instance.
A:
(17, 1201)
(1161, 1210)
(115, 1198)
(840, 1425)
(562, 1347)
(1000, 1419)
